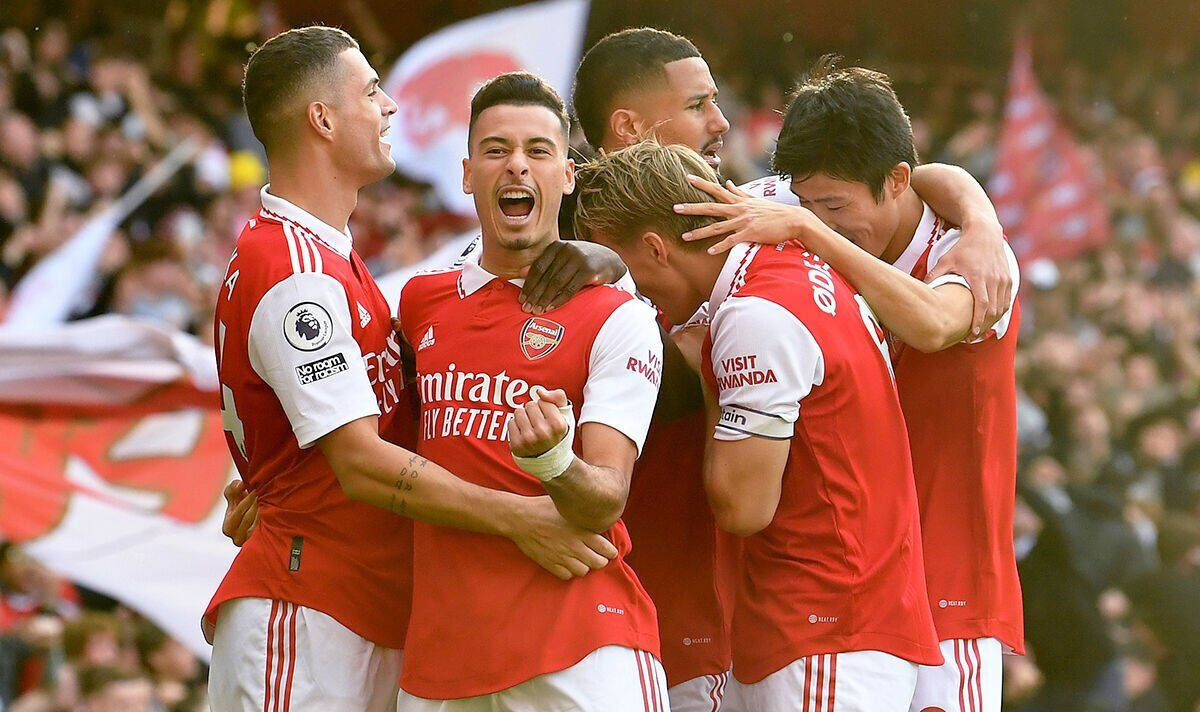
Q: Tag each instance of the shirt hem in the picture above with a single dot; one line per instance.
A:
(490, 684)
(1012, 637)
(766, 665)
(359, 628)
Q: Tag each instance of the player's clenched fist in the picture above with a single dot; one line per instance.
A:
(542, 433)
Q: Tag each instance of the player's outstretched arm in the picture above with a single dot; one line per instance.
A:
(926, 317)
(592, 490)
(376, 472)
(980, 257)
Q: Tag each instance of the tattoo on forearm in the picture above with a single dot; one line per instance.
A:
(409, 473)
(413, 469)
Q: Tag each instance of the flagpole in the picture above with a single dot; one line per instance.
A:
(47, 293)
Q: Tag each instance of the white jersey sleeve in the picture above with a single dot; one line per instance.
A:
(944, 245)
(777, 189)
(301, 344)
(765, 361)
(624, 372)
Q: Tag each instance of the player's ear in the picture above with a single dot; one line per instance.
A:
(320, 118)
(626, 127)
(658, 247)
(569, 183)
(467, 176)
(898, 180)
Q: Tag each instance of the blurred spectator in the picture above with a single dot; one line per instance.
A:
(172, 667)
(1167, 603)
(110, 689)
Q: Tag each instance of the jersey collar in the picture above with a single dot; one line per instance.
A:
(733, 274)
(474, 277)
(927, 231)
(279, 209)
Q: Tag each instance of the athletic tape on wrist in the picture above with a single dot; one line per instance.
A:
(556, 460)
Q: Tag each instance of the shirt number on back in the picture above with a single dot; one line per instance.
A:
(876, 332)
(229, 415)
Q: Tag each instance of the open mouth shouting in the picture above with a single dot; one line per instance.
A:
(709, 154)
(516, 204)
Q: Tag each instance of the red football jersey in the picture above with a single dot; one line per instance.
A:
(795, 354)
(961, 408)
(304, 346)
(485, 617)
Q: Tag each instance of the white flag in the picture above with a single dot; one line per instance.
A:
(433, 83)
(47, 293)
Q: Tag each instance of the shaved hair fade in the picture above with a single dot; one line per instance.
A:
(519, 89)
(636, 188)
(628, 60)
(286, 73)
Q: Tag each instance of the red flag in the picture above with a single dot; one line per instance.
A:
(1046, 187)
(112, 461)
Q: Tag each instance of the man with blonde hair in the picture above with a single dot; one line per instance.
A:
(808, 459)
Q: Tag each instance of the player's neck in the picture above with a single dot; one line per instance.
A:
(911, 210)
(323, 194)
(701, 271)
(510, 263)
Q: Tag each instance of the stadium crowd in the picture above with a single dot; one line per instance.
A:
(1108, 521)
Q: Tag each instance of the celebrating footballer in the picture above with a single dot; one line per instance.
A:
(655, 442)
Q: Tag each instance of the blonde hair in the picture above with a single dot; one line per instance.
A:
(636, 188)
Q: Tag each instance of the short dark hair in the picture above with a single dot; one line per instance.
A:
(629, 59)
(846, 123)
(282, 69)
(518, 89)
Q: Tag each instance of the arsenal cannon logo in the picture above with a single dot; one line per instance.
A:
(540, 336)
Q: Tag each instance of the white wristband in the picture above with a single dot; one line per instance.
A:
(556, 460)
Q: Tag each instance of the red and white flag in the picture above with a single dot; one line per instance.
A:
(1046, 187)
(433, 83)
(112, 462)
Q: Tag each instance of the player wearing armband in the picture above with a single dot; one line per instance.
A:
(637, 84)
(808, 460)
(958, 390)
(500, 389)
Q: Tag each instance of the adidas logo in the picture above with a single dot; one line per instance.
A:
(364, 316)
(427, 340)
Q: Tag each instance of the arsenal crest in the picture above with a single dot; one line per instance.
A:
(540, 336)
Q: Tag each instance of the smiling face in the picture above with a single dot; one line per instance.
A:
(849, 208)
(362, 112)
(683, 110)
(518, 171)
